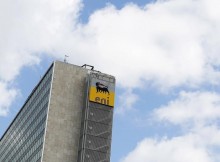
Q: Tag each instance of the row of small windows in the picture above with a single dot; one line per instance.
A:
(27, 119)
(28, 107)
(44, 86)
(30, 124)
(38, 124)
(29, 150)
(23, 141)
(31, 104)
(36, 155)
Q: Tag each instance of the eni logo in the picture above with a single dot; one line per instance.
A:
(101, 93)
(101, 88)
(102, 100)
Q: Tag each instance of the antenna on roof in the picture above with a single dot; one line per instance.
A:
(65, 60)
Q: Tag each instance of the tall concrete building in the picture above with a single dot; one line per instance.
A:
(66, 118)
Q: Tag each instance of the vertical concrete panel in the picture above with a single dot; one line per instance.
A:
(64, 117)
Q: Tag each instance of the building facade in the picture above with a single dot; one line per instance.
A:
(67, 118)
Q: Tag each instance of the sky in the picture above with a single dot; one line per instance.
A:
(163, 53)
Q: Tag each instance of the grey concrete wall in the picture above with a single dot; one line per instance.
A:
(64, 117)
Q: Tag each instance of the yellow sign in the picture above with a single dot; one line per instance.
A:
(101, 93)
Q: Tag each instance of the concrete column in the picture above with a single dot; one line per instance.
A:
(64, 115)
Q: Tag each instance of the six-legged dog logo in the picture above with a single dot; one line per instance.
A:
(101, 88)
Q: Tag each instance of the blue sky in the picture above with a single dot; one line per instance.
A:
(164, 54)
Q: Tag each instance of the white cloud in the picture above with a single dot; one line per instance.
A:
(191, 107)
(166, 44)
(171, 43)
(198, 113)
(199, 145)
(178, 149)
(31, 27)
(199, 141)
(7, 96)
(27, 29)
(126, 101)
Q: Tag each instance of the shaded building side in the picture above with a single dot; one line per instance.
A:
(23, 140)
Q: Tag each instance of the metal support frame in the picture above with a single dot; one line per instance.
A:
(102, 148)
(86, 66)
